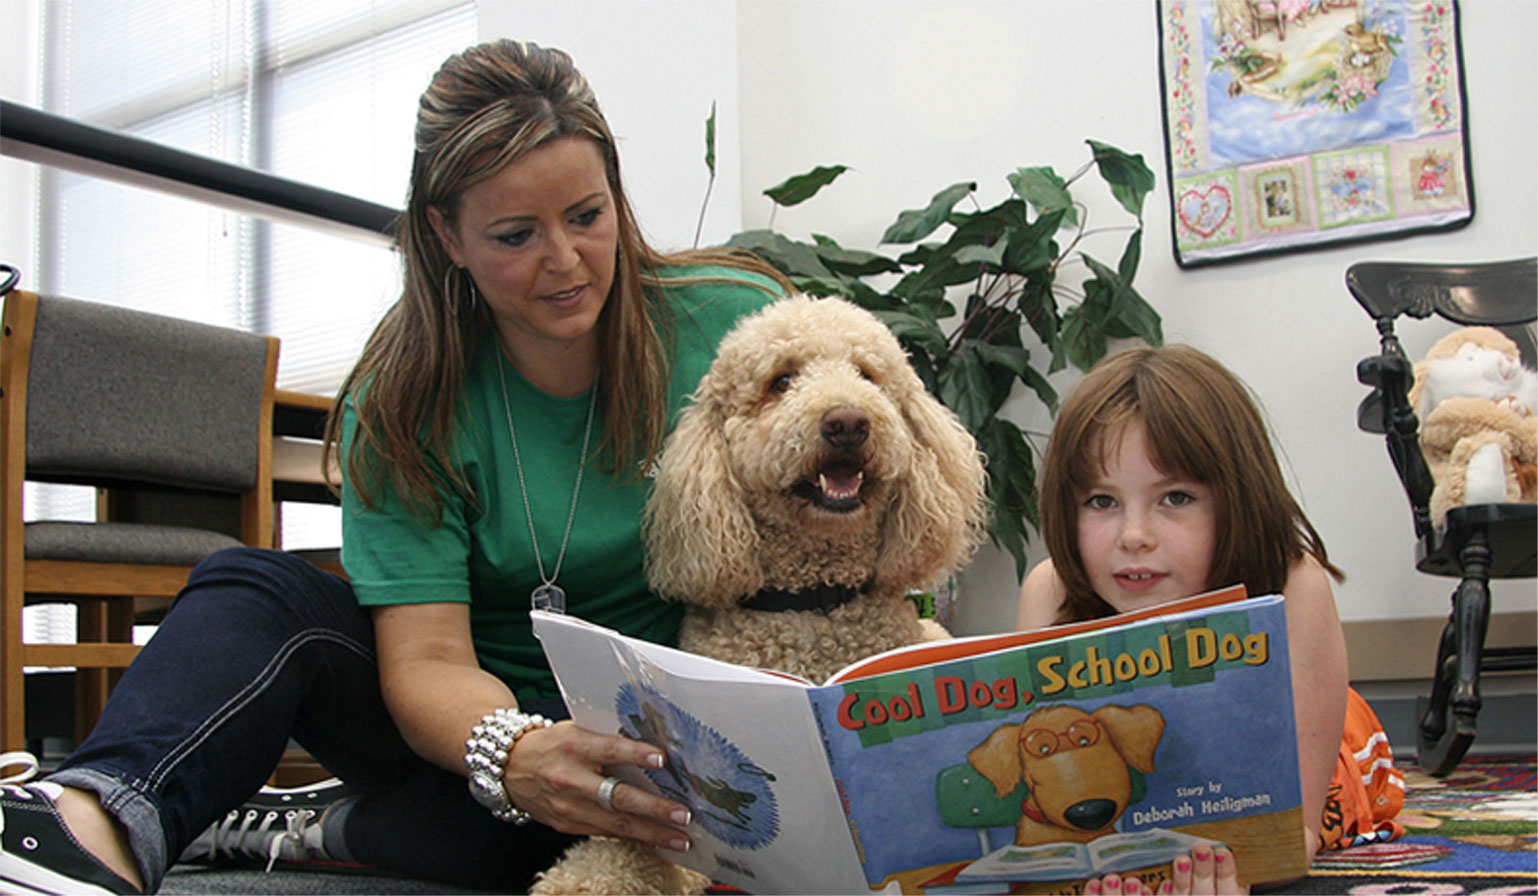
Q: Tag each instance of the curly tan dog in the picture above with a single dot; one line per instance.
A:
(812, 483)
(1075, 764)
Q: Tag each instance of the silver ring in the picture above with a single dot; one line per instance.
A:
(606, 792)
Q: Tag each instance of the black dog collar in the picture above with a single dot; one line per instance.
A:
(821, 597)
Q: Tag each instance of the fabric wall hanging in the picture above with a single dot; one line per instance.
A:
(1295, 124)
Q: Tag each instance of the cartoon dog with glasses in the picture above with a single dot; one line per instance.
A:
(1076, 765)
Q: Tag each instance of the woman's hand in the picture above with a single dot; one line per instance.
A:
(554, 774)
(436, 690)
(1205, 872)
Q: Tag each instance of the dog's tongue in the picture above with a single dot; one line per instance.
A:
(840, 486)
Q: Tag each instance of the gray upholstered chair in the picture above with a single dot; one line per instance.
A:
(171, 421)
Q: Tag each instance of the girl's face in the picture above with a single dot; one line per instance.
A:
(540, 238)
(1145, 537)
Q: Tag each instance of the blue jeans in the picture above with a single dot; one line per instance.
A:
(261, 647)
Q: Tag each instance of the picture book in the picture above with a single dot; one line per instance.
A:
(942, 767)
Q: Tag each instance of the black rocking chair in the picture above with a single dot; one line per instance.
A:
(1478, 542)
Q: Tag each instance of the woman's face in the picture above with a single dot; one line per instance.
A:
(1145, 537)
(540, 239)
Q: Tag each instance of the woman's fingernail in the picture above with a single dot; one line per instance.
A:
(679, 844)
(1113, 884)
(681, 816)
(1182, 864)
(1220, 856)
(655, 760)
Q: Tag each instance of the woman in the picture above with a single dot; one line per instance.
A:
(494, 437)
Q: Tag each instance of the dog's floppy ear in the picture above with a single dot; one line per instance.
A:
(701, 543)
(1135, 730)
(998, 758)
(941, 514)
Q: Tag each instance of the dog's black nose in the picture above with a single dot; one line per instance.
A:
(1091, 815)
(845, 427)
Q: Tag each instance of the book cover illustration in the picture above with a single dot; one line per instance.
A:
(921, 769)
(1182, 723)
(1077, 861)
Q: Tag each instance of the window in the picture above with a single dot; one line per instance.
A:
(319, 92)
(322, 93)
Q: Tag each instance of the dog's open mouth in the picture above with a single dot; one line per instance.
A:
(836, 488)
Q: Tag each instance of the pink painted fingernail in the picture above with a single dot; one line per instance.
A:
(656, 760)
(1113, 884)
(681, 816)
(1221, 856)
(1182, 864)
(679, 844)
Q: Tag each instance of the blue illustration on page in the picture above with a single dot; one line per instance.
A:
(729, 794)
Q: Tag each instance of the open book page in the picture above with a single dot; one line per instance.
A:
(744, 753)
(1124, 852)
(931, 652)
(1076, 861)
(1180, 721)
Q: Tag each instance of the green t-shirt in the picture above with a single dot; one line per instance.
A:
(480, 552)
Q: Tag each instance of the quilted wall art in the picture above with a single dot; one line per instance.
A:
(1296, 124)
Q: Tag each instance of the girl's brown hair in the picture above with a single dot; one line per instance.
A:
(485, 108)
(1200, 423)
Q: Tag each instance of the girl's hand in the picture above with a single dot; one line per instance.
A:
(554, 773)
(1206, 872)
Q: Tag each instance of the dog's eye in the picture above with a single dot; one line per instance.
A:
(1040, 742)
(867, 376)
(781, 383)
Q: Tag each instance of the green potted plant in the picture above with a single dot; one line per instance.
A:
(1005, 267)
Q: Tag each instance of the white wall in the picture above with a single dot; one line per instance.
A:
(916, 95)
(656, 67)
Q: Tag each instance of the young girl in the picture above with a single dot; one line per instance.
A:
(1160, 482)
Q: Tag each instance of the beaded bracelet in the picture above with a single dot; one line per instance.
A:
(486, 755)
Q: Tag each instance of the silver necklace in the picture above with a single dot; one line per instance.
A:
(548, 595)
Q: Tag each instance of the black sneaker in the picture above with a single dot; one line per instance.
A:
(38, 854)
(277, 826)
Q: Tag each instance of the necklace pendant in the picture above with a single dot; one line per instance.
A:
(549, 596)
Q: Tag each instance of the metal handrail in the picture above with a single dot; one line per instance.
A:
(49, 139)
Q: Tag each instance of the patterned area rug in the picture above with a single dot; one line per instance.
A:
(1474, 831)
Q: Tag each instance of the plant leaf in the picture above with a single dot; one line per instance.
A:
(1046, 192)
(854, 262)
(1031, 248)
(802, 187)
(1011, 488)
(792, 258)
(1083, 343)
(710, 140)
(965, 388)
(1130, 179)
(916, 328)
(915, 224)
(980, 254)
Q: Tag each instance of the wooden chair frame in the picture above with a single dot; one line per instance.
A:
(1475, 543)
(104, 592)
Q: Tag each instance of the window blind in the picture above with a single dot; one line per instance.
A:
(319, 92)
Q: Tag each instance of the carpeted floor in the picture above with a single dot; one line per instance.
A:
(1473, 832)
